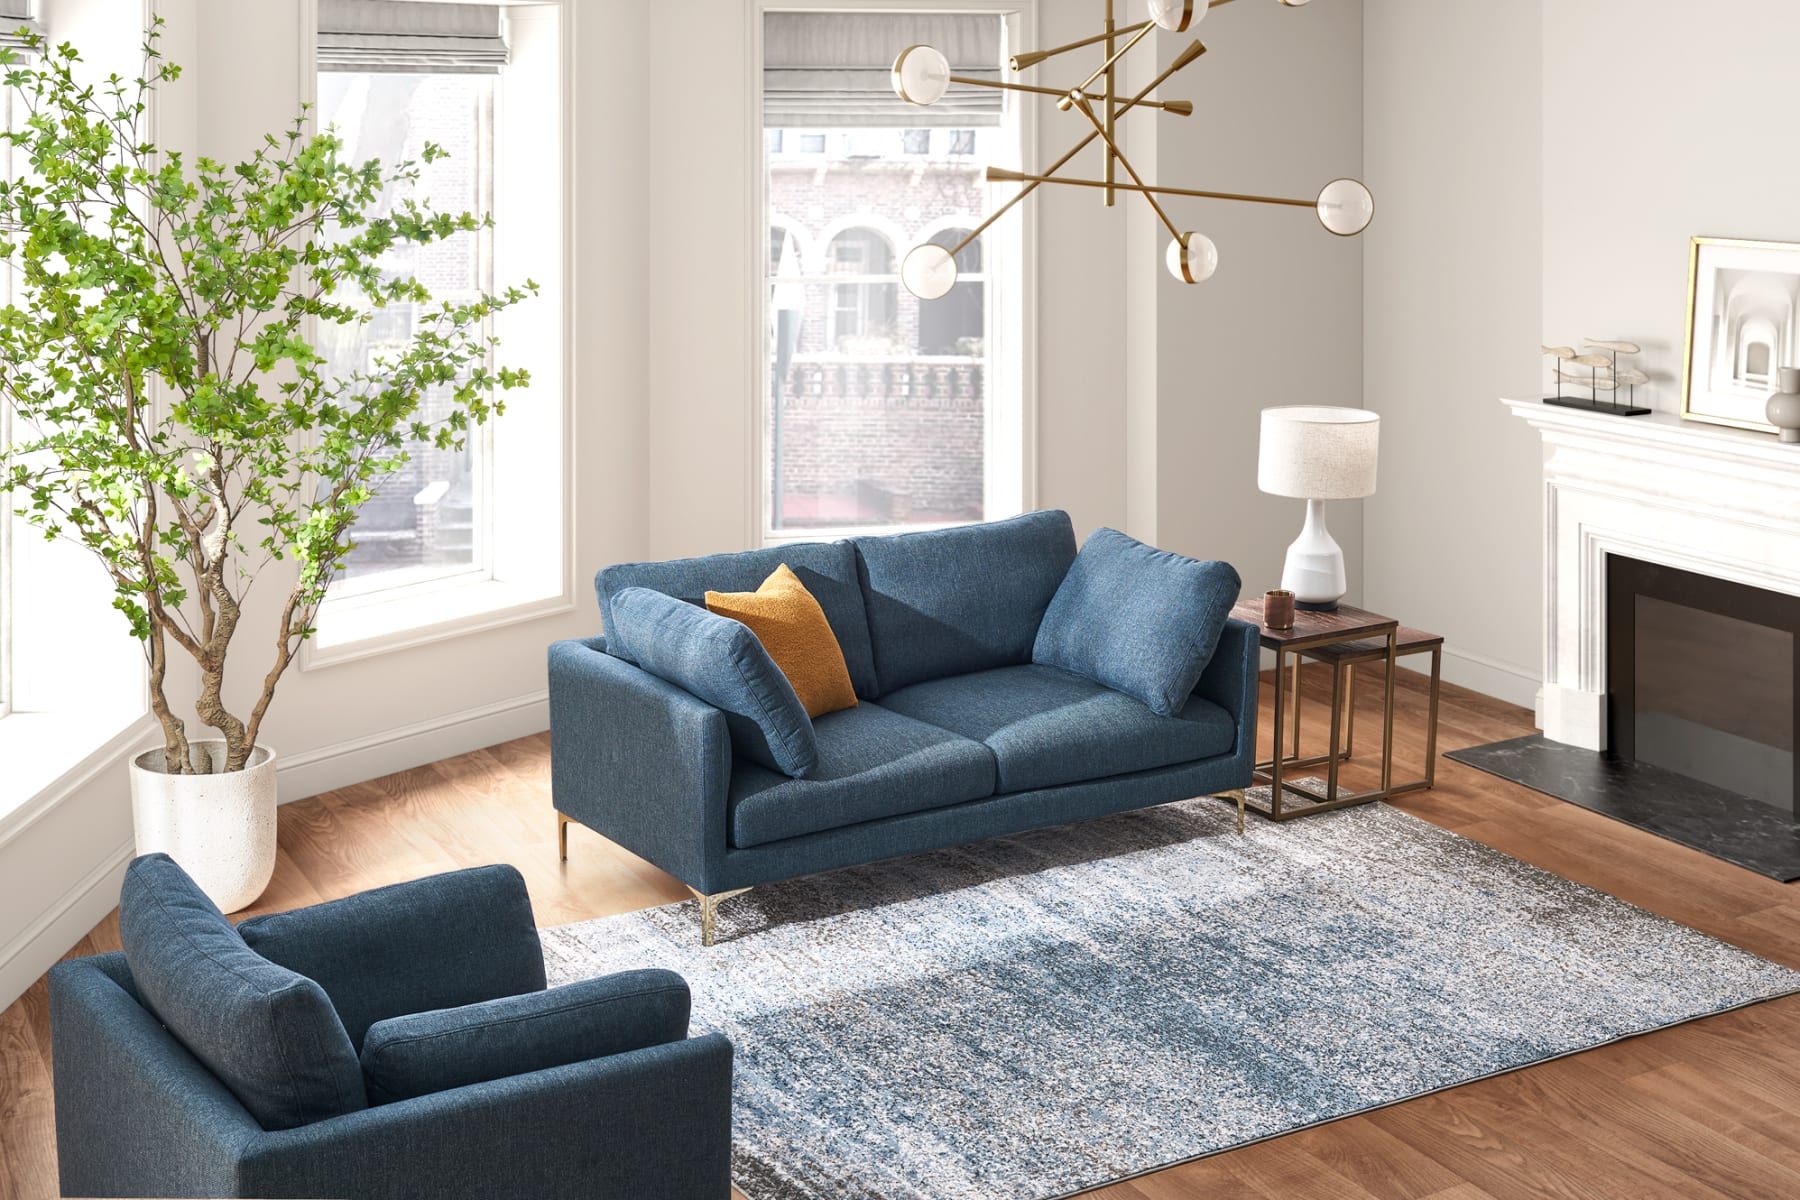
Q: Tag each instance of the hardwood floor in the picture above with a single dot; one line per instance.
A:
(1709, 1109)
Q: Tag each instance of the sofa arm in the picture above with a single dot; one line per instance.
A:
(655, 1122)
(639, 760)
(1231, 678)
(439, 942)
(429, 1052)
(136, 1114)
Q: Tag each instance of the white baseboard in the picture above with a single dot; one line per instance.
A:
(1491, 677)
(40, 945)
(374, 755)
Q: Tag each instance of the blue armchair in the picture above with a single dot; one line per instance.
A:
(399, 1043)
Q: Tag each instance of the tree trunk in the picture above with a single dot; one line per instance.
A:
(176, 752)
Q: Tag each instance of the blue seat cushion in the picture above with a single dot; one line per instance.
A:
(428, 1052)
(1138, 619)
(1048, 727)
(828, 569)
(268, 1034)
(439, 942)
(722, 662)
(873, 763)
(951, 601)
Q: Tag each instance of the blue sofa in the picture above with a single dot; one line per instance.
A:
(957, 735)
(395, 1044)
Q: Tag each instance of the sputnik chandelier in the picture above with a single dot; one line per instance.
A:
(922, 75)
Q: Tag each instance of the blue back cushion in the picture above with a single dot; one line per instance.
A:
(267, 1033)
(439, 942)
(722, 662)
(1140, 620)
(456, 1047)
(952, 601)
(828, 569)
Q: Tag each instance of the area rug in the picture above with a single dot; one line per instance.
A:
(1038, 1015)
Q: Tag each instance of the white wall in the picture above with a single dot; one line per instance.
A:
(1454, 276)
(1277, 113)
(1691, 134)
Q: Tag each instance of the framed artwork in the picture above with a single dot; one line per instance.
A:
(1743, 323)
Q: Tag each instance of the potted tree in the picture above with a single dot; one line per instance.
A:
(172, 415)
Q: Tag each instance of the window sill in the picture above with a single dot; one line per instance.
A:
(360, 627)
(48, 755)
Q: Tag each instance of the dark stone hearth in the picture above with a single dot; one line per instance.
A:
(1698, 815)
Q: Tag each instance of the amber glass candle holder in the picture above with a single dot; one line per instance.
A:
(1278, 609)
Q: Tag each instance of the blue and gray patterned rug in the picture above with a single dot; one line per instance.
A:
(1038, 1015)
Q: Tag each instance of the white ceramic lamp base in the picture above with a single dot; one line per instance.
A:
(1315, 564)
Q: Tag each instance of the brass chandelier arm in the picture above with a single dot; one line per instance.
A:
(1031, 58)
(1194, 50)
(1181, 108)
(1108, 65)
(1002, 175)
(1088, 112)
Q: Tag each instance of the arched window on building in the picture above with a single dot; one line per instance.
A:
(865, 290)
(957, 324)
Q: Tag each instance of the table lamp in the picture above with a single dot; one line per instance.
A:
(1317, 454)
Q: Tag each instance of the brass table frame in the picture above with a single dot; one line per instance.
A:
(1279, 765)
(1344, 677)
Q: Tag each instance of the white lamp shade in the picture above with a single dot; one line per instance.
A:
(1317, 453)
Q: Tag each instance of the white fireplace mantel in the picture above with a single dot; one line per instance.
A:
(1703, 498)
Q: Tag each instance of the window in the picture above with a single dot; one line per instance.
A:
(882, 410)
(811, 143)
(472, 538)
(432, 518)
(862, 308)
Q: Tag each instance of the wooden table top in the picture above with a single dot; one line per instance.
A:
(1406, 641)
(1342, 624)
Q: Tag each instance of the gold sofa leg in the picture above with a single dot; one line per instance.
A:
(709, 911)
(562, 837)
(1236, 794)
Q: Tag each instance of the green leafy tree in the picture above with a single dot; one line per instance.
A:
(170, 412)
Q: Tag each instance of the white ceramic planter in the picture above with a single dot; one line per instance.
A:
(219, 827)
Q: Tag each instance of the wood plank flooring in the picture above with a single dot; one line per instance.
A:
(1709, 1109)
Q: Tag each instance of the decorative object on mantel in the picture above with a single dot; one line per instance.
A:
(1749, 293)
(1783, 410)
(1317, 454)
(922, 77)
(1601, 364)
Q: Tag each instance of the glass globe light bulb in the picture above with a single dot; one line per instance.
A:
(921, 75)
(1192, 258)
(1346, 207)
(1177, 15)
(928, 271)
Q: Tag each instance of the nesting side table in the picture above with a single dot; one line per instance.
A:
(1345, 657)
(1312, 632)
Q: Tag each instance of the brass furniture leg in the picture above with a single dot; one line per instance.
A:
(1331, 771)
(1350, 717)
(562, 837)
(1276, 738)
(1236, 794)
(1431, 720)
(1296, 695)
(1387, 720)
(709, 910)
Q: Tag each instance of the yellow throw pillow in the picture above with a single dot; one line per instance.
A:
(792, 628)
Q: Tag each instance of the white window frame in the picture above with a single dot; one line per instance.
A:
(530, 578)
(1010, 444)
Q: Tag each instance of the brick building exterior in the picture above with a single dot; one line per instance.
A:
(880, 404)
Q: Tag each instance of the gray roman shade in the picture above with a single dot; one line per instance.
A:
(825, 69)
(14, 13)
(410, 36)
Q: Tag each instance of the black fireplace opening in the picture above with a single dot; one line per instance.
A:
(1701, 680)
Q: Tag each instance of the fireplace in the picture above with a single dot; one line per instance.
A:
(1671, 632)
(1701, 679)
